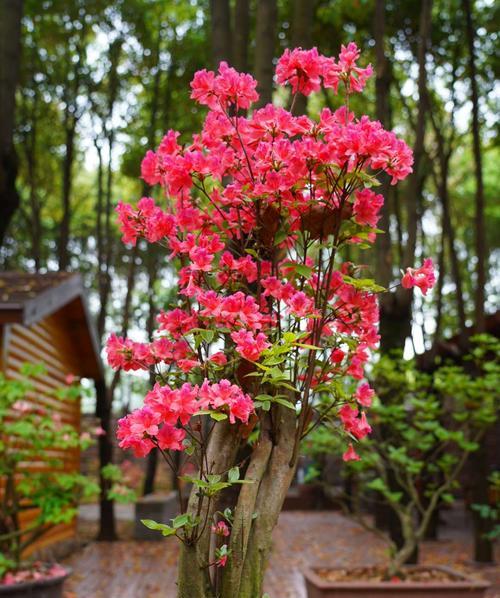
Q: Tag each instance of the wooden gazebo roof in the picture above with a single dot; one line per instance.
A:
(28, 298)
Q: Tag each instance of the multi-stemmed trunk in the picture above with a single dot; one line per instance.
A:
(271, 467)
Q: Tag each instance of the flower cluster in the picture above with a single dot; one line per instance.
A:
(158, 422)
(257, 210)
(304, 70)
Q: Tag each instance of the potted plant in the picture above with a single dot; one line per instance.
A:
(429, 430)
(28, 428)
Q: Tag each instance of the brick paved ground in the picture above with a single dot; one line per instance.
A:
(147, 570)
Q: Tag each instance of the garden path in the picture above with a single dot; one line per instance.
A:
(130, 569)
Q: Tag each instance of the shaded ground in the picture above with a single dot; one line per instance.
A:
(130, 569)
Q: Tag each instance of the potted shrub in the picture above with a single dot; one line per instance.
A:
(430, 429)
(257, 212)
(28, 428)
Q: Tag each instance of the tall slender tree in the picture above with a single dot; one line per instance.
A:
(479, 226)
(220, 14)
(241, 33)
(483, 547)
(265, 36)
(396, 314)
(10, 55)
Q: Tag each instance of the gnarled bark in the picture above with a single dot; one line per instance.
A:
(194, 579)
(255, 513)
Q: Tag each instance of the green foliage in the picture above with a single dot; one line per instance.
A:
(118, 488)
(29, 429)
(184, 522)
(422, 434)
(213, 483)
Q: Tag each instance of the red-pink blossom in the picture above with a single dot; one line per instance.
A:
(423, 277)
(218, 358)
(170, 438)
(226, 88)
(300, 304)
(367, 205)
(350, 454)
(249, 346)
(364, 394)
(221, 560)
(221, 529)
(301, 69)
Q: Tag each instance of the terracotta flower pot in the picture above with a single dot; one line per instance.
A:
(43, 588)
(459, 586)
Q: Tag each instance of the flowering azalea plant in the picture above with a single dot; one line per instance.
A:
(272, 329)
(28, 428)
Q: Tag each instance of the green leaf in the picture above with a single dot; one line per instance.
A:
(180, 520)
(306, 346)
(218, 417)
(301, 269)
(363, 284)
(166, 530)
(285, 403)
(280, 236)
(203, 412)
(207, 335)
(263, 397)
(233, 474)
(253, 253)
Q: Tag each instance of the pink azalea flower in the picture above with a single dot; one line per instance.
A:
(218, 358)
(221, 529)
(301, 69)
(423, 277)
(249, 346)
(364, 394)
(367, 205)
(170, 438)
(350, 454)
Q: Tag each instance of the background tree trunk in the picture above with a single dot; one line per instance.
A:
(10, 57)
(241, 32)
(107, 527)
(104, 410)
(220, 13)
(265, 41)
(395, 315)
(480, 232)
(64, 227)
(152, 460)
(383, 246)
(483, 548)
(396, 307)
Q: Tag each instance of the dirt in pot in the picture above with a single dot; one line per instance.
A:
(377, 574)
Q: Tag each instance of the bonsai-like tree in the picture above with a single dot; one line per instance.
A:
(28, 429)
(430, 427)
(256, 212)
